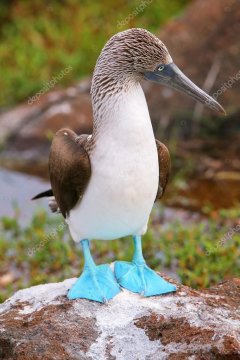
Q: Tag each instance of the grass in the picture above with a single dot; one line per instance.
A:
(43, 251)
(39, 39)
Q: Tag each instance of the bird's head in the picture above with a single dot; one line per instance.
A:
(137, 54)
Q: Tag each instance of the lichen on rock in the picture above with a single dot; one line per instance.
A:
(41, 323)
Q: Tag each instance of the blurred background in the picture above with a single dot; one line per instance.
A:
(48, 50)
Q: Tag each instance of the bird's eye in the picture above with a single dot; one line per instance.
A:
(160, 68)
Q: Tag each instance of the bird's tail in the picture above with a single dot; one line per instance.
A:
(47, 193)
(51, 203)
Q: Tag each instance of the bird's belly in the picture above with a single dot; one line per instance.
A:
(119, 197)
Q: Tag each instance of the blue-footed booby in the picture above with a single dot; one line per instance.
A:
(105, 184)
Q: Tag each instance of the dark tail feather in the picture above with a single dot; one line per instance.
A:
(47, 193)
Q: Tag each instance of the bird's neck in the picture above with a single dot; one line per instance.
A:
(119, 109)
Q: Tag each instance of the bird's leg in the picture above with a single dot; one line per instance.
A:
(96, 282)
(137, 277)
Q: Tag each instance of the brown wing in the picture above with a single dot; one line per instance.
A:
(164, 161)
(69, 169)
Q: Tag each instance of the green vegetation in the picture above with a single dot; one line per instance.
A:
(39, 39)
(202, 254)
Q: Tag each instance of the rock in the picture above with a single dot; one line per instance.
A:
(41, 323)
(204, 36)
(28, 128)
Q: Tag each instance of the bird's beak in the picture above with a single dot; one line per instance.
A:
(171, 76)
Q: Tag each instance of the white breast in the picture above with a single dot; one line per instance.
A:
(124, 179)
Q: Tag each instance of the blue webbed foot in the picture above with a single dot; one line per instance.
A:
(96, 284)
(139, 278)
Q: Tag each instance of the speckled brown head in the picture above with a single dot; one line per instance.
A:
(136, 54)
(132, 52)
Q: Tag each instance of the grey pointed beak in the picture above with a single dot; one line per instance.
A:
(170, 75)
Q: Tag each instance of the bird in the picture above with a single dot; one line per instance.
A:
(105, 184)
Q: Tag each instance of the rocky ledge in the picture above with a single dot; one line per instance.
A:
(41, 323)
